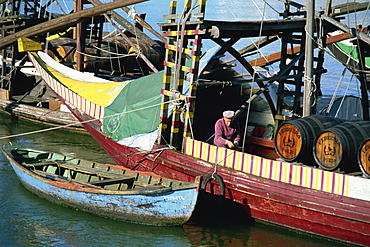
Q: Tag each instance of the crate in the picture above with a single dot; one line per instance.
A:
(25, 44)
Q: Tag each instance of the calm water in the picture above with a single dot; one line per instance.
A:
(27, 220)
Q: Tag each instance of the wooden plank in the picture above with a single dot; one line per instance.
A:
(146, 25)
(179, 16)
(346, 29)
(276, 56)
(64, 21)
(45, 163)
(127, 25)
(112, 181)
(4, 94)
(239, 29)
(344, 9)
(92, 171)
(63, 179)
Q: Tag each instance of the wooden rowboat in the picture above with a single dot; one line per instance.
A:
(104, 189)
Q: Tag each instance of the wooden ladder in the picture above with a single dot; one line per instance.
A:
(183, 50)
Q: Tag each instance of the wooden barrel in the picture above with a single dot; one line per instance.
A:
(363, 157)
(150, 53)
(337, 147)
(62, 48)
(108, 57)
(294, 139)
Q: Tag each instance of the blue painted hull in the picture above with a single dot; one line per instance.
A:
(172, 208)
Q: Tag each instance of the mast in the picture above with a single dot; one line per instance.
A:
(308, 94)
(79, 37)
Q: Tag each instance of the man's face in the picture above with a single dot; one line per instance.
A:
(228, 121)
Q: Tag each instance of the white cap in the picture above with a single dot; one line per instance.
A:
(228, 114)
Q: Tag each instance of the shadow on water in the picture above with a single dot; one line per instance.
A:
(218, 221)
(217, 210)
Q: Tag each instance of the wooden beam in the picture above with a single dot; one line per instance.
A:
(346, 29)
(258, 44)
(262, 61)
(128, 26)
(344, 9)
(65, 21)
(239, 29)
(146, 25)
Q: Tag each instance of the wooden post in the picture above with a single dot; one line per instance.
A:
(80, 40)
(307, 96)
(179, 74)
(193, 77)
(166, 78)
(361, 51)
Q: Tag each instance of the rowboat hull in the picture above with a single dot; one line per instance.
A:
(166, 208)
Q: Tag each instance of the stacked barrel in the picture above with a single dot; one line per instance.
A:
(294, 139)
(330, 143)
(337, 147)
(364, 157)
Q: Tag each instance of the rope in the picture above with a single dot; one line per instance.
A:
(78, 122)
(90, 55)
(339, 83)
(140, 152)
(137, 40)
(253, 82)
(48, 34)
(66, 6)
(39, 14)
(190, 125)
(341, 102)
(60, 7)
(132, 12)
(271, 7)
(320, 46)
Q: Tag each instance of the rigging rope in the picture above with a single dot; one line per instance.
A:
(118, 57)
(87, 121)
(341, 102)
(251, 91)
(140, 152)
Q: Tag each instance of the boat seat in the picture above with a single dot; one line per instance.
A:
(62, 178)
(93, 171)
(113, 181)
(45, 163)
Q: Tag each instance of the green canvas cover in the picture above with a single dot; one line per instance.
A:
(139, 102)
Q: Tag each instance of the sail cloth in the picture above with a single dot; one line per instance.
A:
(135, 104)
(129, 110)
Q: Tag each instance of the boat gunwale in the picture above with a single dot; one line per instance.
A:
(71, 184)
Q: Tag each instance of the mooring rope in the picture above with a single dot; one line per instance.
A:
(121, 55)
(140, 152)
(87, 121)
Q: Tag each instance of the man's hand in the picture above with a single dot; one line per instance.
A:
(230, 144)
